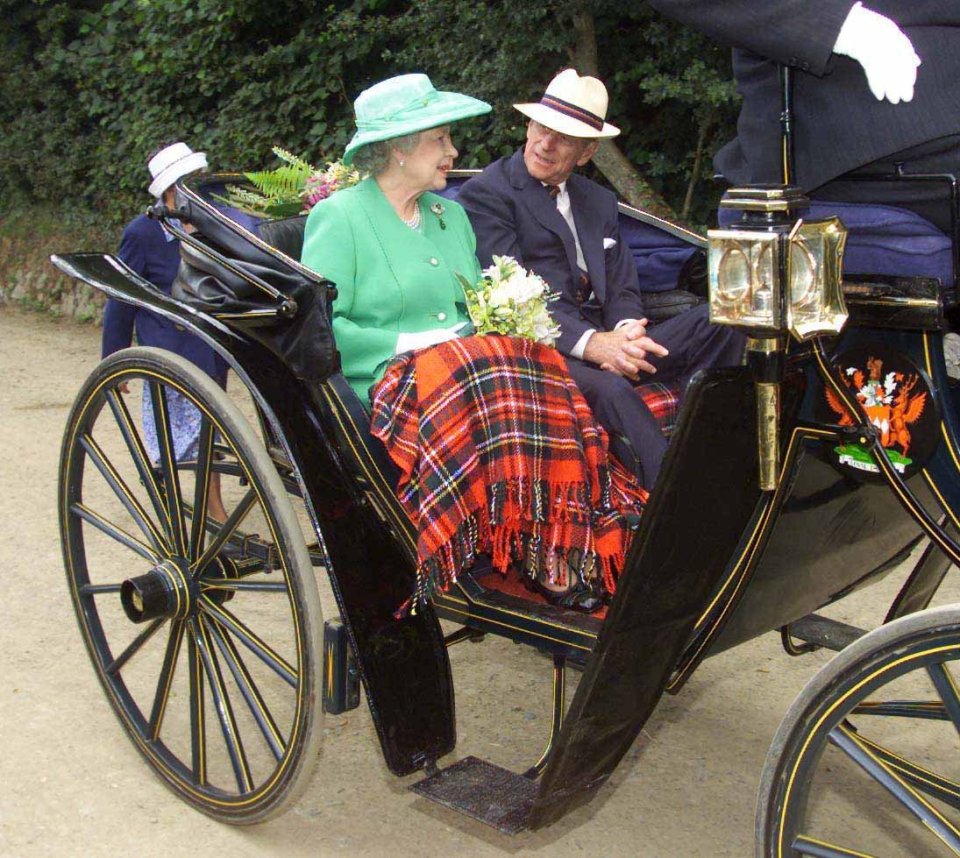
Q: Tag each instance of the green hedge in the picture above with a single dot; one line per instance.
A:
(89, 89)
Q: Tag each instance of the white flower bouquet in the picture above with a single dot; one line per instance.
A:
(512, 301)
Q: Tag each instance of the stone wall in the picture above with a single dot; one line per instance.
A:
(29, 279)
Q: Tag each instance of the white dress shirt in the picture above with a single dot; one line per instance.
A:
(563, 206)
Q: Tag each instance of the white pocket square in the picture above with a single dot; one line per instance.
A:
(609, 242)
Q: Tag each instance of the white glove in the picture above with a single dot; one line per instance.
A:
(422, 339)
(884, 51)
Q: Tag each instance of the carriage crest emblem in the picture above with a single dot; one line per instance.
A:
(898, 400)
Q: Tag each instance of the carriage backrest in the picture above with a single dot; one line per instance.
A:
(660, 248)
(285, 234)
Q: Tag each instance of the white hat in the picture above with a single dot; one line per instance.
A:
(573, 105)
(171, 163)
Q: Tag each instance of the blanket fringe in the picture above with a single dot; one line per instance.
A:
(540, 527)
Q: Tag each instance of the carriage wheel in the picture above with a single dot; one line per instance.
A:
(865, 762)
(204, 632)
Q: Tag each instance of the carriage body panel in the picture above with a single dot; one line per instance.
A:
(403, 663)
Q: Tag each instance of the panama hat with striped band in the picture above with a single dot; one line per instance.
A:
(573, 105)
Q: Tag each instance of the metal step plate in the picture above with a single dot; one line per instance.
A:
(486, 792)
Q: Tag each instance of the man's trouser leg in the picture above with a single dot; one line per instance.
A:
(618, 408)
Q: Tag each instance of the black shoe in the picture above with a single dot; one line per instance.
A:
(578, 598)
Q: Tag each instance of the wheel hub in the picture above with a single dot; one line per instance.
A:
(167, 590)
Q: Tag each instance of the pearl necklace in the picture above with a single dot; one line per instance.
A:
(414, 221)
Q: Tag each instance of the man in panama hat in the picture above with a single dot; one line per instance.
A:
(532, 205)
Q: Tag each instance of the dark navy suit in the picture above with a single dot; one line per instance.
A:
(514, 215)
(146, 248)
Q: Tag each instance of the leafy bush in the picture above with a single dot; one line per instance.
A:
(89, 89)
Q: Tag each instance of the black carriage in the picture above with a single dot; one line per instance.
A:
(777, 497)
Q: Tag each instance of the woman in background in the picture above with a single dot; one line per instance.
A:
(154, 254)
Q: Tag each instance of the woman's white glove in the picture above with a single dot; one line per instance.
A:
(422, 339)
(884, 51)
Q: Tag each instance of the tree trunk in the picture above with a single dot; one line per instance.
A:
(705, 127)
(610, 160)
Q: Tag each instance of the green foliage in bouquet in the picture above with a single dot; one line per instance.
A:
(291, 189)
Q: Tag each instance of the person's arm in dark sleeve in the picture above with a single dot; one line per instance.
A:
(624, 300)
(796, 33)
(492, 219)
(119, 316)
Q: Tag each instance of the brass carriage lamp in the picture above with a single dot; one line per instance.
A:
(772, 273)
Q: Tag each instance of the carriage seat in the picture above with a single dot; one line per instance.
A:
(885, 240)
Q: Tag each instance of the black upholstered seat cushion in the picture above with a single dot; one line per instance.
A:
(285, 234)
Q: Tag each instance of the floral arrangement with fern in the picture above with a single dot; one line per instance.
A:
(293, 188)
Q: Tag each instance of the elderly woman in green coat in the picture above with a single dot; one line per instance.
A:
(497, 450)
(392, 247)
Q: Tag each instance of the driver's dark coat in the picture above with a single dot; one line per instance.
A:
(839, 124)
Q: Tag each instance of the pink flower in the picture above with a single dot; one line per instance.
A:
(317, 188)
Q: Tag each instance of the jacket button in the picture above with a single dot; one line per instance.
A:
(441, 316)
(434, 261)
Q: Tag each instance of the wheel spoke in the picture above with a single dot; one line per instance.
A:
(134, 646)
(251, 640)
(137, 452)
(923, 779)
(201, 489)
(851, 744)
(248, 688)
(819, 849)
(98, 589)
(925, 709)
(246, 586)
(123, 493)
(111, 530)
(165, 679)
(221, 701)
(947, 689)
(225, 532)
(198, 732)
(168, 466)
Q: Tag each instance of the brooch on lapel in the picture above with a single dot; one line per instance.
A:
(438, 210)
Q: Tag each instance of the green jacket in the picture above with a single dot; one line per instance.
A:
(390, 279)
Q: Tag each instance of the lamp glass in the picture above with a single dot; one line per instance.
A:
(743, 278)
(816, 306)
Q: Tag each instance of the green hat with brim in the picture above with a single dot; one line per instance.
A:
(404, 104)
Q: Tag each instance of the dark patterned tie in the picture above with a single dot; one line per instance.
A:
(554, 191)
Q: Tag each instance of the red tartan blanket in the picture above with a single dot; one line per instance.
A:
(499, 453)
